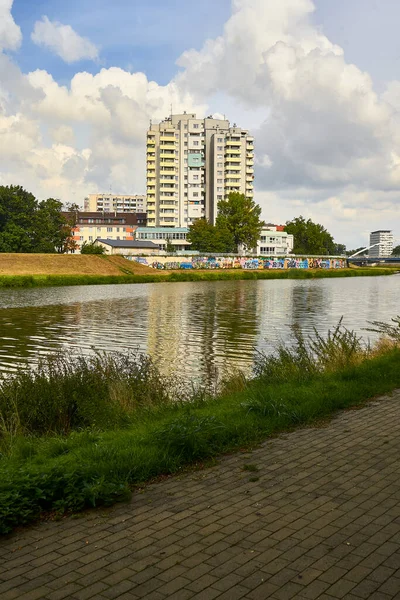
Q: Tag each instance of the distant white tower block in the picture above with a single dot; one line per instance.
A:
(384, 240)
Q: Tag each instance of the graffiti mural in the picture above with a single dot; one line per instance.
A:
(241, 262)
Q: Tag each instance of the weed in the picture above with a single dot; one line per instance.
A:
(79, 431)
(190, 436)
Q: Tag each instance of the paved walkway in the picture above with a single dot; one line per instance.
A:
(316, 514)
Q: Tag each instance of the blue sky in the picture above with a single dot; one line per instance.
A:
(136, 35)
(149, 35)
(327, 146)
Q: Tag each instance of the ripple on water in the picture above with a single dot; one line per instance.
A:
(190, 329)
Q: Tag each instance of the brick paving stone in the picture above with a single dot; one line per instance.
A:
(322, 521)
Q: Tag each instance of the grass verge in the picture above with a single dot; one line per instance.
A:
(80, 432)
(24, 281)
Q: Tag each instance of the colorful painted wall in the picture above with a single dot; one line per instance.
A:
(229, 262)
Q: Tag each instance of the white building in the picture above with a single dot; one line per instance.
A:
(274, 241)
(191, 165)
(161, 235)
(115, 203)
(382, 242)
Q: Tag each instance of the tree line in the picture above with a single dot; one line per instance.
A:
(238, 223)
(29, 225)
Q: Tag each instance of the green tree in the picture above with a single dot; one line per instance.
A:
(17, 210)
(27, 225)
(205, 237)
(309, 237)
(169, 247)
(92, 248)
(340, 249)
(241, 217)
(50, 227)
(396, 251)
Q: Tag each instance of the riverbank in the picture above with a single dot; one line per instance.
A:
(46, 270)
(80, 432)
(154, 276)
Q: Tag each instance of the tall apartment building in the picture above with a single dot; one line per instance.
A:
(191, 165)
(115, 203)
(384, 240)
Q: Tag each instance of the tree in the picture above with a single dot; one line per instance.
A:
(27, 225)
(241, 217)
(205, 237)
(17, 210)
(309, 237)
(340, 249)
(92, 248)
(396, 251)
(51, 230)
(169, 247)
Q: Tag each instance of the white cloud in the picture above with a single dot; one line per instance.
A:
(327, 145)
(10, 33)
(63, 41)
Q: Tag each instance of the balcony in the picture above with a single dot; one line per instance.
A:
(233, 142)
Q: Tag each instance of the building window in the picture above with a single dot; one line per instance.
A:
(195, 143)
(219, 164)
(219, 189)
(219, 180)
(195, 125)
(220, 140)
(195, 177)
(109, 229)
(219, 148)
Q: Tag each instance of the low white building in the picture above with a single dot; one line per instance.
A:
(128, 247)
(274, 241)
(177, 236)
(381, 242)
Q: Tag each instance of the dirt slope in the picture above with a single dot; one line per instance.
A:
(69, 264)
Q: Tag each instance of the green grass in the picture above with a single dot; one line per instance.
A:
(23, 281)
(80, 432)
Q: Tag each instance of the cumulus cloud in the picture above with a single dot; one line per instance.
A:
(10, 33)
(328, 146)
(63, 41)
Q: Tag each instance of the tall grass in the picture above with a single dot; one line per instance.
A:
(80, 431)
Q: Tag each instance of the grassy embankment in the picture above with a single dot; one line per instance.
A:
(41, 270)
(81, 432)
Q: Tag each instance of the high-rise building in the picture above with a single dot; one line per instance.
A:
(191, 165)
(115, 203)
(381, 242)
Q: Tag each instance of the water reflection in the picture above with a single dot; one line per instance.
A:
(190, 329)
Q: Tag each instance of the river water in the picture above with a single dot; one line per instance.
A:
(190, 329)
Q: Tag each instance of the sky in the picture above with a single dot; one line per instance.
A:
(317, 82)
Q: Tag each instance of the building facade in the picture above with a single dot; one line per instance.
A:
(91, 226)
(115, 203)
(274, 241)
(127, 248)
(177, 236)
(382, 242)
(192, 164)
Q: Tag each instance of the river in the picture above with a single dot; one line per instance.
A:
(190, 329)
